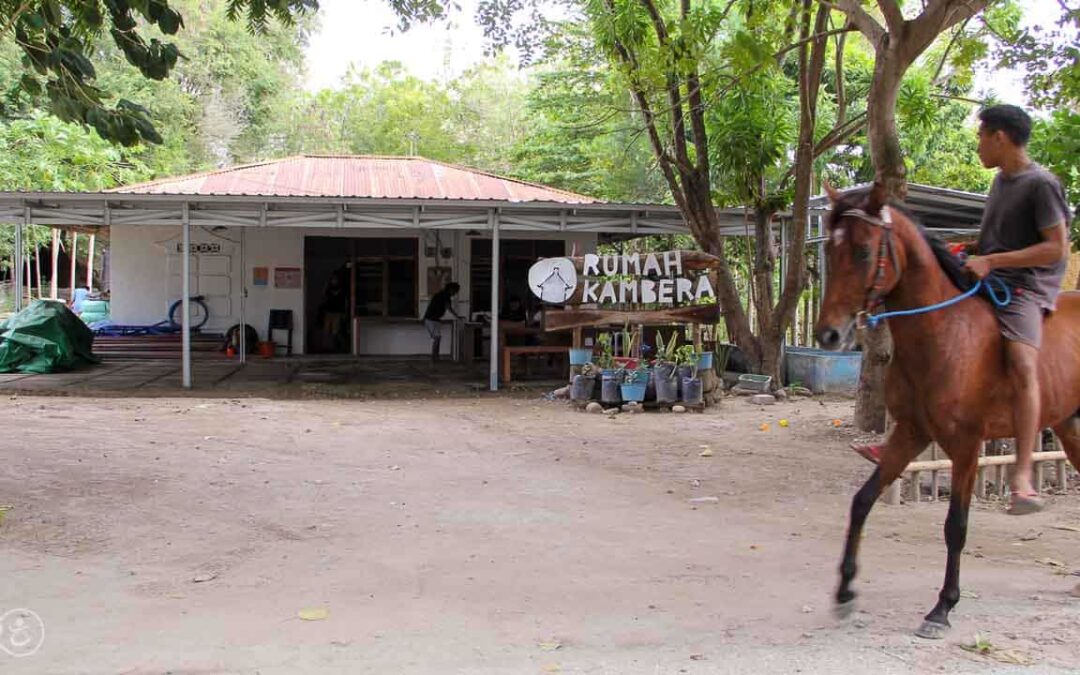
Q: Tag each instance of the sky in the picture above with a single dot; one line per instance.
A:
(361, 32)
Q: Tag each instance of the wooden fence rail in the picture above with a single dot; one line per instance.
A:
(993, 460)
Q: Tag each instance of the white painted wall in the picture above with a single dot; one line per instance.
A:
(141, 293)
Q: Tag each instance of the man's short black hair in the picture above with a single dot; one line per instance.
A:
(1010, 119)
(452, 287)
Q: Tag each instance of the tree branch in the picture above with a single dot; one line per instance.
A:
(948, 48)
(839, 134)
(662, 157)
(894, 18)
(841, 100)
(859, 18)
(810, 68)
(697, 107)
(938, 17)
(964, 99)
(734, 80)
(671, 78)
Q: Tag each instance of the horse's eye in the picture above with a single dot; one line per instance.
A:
(862, 254)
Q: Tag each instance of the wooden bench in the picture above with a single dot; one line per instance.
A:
(509, 352)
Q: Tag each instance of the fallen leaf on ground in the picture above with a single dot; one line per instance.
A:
(203, 577)
(550, 646)
(1011, 656)
(1067, 528)
(314, 614)
(707, 452)
(697, 657)
(1051, 562)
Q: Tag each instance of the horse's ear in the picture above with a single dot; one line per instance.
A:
(830, 191)
(877, 198)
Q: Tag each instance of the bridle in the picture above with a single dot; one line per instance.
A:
(875, 294)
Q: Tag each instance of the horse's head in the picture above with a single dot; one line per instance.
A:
(863, 262)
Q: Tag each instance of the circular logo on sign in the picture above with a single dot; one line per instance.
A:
(553, 279)
(21, 632)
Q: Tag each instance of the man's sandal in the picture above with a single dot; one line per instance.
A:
(871, 453)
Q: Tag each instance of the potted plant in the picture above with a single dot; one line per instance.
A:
(627, 360)
(583, 385)
(688, 359)
(606, 362)
(705, 360)
(634, 384)
(665, 375)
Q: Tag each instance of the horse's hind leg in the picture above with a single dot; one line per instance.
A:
(965, 467)
(904, 444)
(1068, 432)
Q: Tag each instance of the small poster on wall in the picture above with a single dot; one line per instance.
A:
(287, 277)
(260, 276)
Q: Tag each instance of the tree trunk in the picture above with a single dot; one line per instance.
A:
(28, 280)
(889, 164)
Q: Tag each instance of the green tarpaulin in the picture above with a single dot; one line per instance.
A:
(46, 337)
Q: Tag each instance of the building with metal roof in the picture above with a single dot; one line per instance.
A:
(272, 236)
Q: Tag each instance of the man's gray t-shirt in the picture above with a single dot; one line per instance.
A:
(1017, 211)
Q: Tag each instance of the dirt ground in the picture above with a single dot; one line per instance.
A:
(492, 535)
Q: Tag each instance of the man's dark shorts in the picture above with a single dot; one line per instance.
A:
(1022, 319)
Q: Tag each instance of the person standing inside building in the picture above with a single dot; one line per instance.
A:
(440, 304)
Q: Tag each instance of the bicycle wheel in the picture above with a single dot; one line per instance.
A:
(198, 316)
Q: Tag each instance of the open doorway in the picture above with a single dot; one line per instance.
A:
(327, 270)
(372, 279)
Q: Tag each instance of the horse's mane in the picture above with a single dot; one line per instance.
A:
(950, 264)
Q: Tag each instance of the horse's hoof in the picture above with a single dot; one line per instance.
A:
(931, 630)
(843, 610)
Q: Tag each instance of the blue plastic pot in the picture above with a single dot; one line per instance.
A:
(705, 361)
(634, 391)
(579, 356)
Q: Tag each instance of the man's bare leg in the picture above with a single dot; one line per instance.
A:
(1023, 367)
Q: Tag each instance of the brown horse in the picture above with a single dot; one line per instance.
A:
(947, 380)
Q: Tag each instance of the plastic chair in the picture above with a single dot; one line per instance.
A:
(281, 319)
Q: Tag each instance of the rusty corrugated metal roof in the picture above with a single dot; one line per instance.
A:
(357, 177)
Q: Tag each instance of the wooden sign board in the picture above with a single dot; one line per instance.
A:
(638, 288)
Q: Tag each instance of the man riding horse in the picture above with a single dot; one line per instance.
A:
(1024, 242)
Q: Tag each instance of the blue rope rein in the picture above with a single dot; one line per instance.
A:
(1001, 296)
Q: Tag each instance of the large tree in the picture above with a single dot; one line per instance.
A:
(897, 41)
(57, 41)
(692, 68)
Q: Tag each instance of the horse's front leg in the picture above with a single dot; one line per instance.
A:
(904, 444)
(965, 461)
